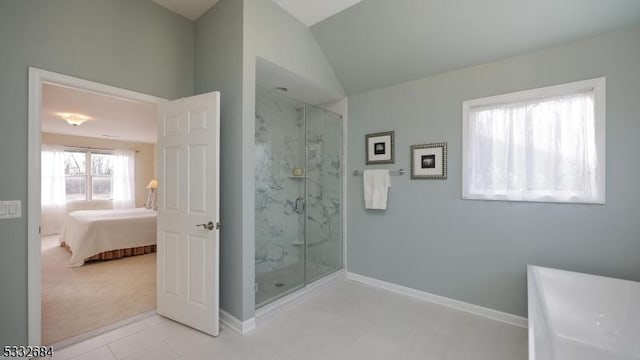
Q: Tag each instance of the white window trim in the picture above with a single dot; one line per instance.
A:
(599, 92)
(88, 175)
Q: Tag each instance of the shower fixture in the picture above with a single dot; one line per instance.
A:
(300, 116)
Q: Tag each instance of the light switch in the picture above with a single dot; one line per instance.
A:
(10, 209)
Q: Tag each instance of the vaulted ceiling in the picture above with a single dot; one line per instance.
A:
(309, 12)
(378, 43)
(191, 9)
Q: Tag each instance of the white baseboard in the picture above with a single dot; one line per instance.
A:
(441, 300)
(243, 327)
(233, 323)
(305, 291)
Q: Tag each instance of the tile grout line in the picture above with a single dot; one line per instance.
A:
(109, 332)
(92, 334)
(111, 352)
(154, 343)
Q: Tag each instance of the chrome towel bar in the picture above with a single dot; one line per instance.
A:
(391, 172)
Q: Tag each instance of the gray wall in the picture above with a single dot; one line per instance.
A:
(275, 35)
(476, 251)
(218, 66)
(134, 45)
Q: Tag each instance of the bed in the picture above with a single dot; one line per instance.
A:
(108, 234)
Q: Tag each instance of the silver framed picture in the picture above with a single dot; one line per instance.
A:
(379, 148)
(429, 161)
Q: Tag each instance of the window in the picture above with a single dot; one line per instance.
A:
(101, 176)
(88, 175)
(545, 144)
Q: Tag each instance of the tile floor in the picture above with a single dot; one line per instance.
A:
(341, 320)
(291, 278)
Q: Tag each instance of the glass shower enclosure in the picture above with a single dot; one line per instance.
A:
(298, 149)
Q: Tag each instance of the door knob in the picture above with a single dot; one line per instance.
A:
(209, 226)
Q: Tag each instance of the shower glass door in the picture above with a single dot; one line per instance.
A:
(323, 221)
(280, 189)
(298, 149)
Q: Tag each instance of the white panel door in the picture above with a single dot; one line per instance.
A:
(188, 211)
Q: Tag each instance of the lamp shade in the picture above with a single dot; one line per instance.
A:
(153, 184)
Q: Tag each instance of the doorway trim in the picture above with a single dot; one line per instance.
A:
(38, 77)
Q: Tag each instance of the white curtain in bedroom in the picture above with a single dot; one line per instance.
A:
(53, 191)
(124, 179)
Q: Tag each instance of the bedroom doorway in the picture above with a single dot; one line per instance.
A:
(98, 156)
(187, 271)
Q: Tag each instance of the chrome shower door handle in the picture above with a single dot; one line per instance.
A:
(209, 226)
(299, 207)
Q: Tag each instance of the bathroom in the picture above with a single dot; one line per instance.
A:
(293, 218)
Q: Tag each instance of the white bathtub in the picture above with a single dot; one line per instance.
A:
(574, 316)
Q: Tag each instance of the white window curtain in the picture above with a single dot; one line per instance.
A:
(538, 150)
(124, 179)
(53, 191)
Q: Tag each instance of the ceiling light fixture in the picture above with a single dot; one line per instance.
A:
(74, 119)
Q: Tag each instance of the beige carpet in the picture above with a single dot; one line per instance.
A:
(77, 300)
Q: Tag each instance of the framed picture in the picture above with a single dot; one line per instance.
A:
(379, 148)
(429, 161)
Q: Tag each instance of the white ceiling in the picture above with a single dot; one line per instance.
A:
(308, 12)
(118, 119)
(311, 12)
(191, 9)
(271, 76)
(378, 43)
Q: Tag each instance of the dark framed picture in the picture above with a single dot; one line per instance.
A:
(379, 148)
(429, 161)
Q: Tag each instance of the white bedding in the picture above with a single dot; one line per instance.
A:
(90, 232)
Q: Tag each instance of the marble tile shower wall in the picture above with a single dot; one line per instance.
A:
(324, 191)
(279, 148)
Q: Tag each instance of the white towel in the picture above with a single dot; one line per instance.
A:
(376, 183)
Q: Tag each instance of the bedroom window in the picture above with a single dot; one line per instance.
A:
(545, 145)
(88, 175)
(101, 176)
